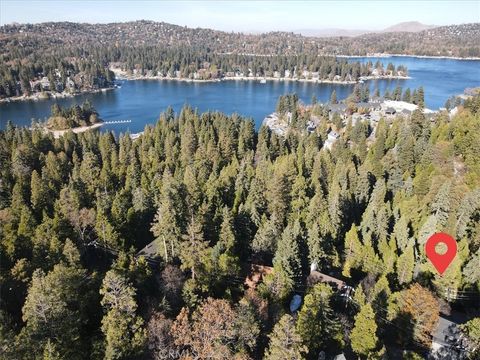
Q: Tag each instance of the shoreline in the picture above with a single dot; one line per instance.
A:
(383, 55)
(266, 78)
(39, 97)
(77, 130)
(49, 95)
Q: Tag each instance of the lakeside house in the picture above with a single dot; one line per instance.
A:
(332, 138)
(370, 106)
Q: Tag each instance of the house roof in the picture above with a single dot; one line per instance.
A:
(333, 134)
(316, 277)
(337, 107)
(368, 105)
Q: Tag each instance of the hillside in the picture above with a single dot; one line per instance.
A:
(455, 40)
(409, 26)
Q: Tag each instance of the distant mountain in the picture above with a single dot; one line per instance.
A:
(409, 26)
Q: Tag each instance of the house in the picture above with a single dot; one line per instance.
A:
(333, 135)
(369, 105)
(69, 84)
(311, 126)
(337, 107)
(316, 277)
(287, 73)
(390, 111)
(45, 83)
(406, 112)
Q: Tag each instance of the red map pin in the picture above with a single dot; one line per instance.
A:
(441, 261)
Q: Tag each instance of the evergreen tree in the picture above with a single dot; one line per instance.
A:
(333, 97)
(405, 265)
(316, 323)
(288, 260)
(124, 334)
(363, 338)
(285, 342)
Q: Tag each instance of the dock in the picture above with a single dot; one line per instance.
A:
(117, 122)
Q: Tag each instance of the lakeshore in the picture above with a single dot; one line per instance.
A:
(123, 75)
(386, 55)
(47, 95)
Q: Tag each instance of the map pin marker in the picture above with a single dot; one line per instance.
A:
(441, 261)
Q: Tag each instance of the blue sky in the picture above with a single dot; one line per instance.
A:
(249, 16)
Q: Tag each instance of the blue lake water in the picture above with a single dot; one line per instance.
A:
(143, 100)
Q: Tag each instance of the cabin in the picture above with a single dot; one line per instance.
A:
(371, 106)
(337, 107)
(316, 277)
(333, 136)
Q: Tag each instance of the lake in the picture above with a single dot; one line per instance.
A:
(143, 100)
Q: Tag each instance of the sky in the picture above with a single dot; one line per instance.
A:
(247, 16)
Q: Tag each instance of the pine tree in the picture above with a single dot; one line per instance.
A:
(333, 97)
(316, 323)
(441, 204)
(124, 334)
(353, 251)
(406, 265)
(285, 342)
(363, 338)
(51, 309)
(193, 248)
(166, 226)
(420, 97)
(316, 251)
(266, 237)
(288, 261)
(407, 96)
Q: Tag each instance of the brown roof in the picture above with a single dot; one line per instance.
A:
(316, 277)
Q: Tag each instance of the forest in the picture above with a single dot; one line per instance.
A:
(113, 248)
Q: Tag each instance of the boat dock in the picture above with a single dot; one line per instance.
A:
(117, 122)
